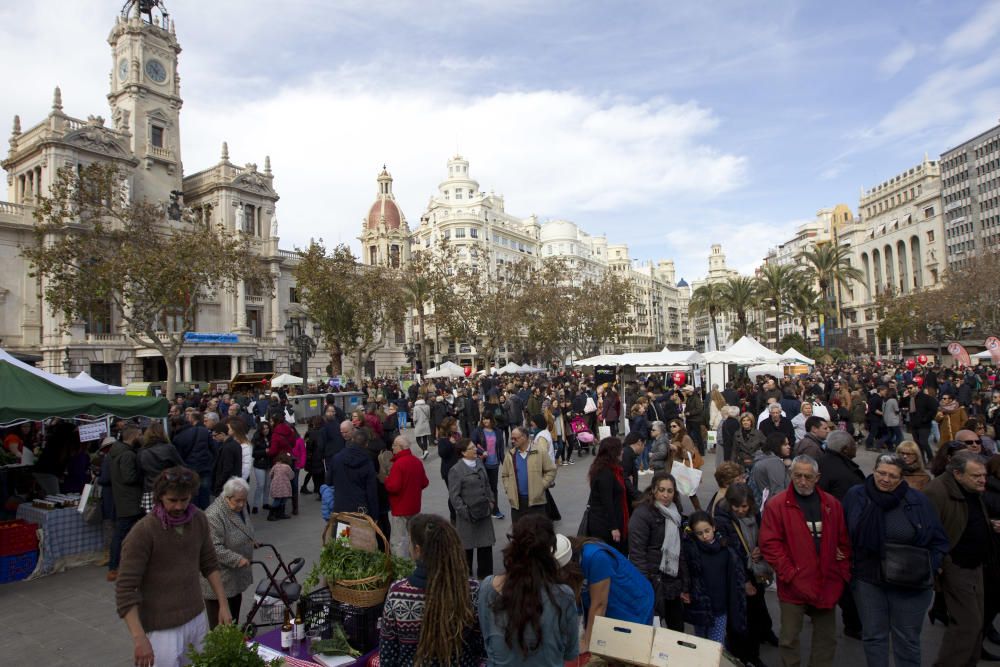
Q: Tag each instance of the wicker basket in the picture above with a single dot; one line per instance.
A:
(365, 534)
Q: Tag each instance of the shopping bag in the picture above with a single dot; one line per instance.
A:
(603, 432)
(687, 476)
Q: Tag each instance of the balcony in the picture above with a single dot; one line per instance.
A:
(15, 214)
(104, 339)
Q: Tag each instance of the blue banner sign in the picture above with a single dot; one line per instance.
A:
(195, 337)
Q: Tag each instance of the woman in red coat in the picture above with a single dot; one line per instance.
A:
(283, 442)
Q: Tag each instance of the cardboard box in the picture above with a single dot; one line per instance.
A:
(672, 649)
(621, 641)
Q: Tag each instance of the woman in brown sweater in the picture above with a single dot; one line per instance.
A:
(165, 554)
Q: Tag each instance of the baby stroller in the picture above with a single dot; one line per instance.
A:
(584, 438)
(279, 591)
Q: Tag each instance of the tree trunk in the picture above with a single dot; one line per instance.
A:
(715, 333)
(336, 359)
(423, 338)
(170, 359)
(777, 325)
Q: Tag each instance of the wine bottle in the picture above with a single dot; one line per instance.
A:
(287, 632)
(300, 626)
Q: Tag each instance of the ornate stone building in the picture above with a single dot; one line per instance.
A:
(144, 139)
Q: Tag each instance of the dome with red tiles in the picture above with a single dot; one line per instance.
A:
(384, 211)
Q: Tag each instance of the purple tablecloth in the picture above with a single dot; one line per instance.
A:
(272, 640)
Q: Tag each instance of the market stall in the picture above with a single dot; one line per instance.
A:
(446, 370)
(28, 394)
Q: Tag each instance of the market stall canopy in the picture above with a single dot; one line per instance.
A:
(88, 385)
(773, 370)
(509, 368)
(599, 360)
(528, 368)
(285, 380)
(652, 361)
(744, 351)
(25, 396)
(73, 384)
(447, 370)
(791, 354)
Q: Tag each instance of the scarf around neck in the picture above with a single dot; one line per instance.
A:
(870, 531)
(671, 549)
(168, 521)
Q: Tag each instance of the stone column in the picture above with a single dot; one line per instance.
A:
(276, 306)
(241, 306)
(234, 365)
(177, 369)
(187, 368)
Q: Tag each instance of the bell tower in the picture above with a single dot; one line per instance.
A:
(145, 95)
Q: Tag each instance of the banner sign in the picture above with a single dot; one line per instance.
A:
(993, 347)
(95, 431)
(961, 355)
(195, 337)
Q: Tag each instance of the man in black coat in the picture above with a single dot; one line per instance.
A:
(195, 445)
(837, 473)
(922, 408)
(775, 422)
(331, 440)
(630, 464)
(229, 462)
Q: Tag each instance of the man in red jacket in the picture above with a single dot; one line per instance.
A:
(404, 485)
(804, 537)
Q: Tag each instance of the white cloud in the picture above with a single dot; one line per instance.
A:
(897, 59)
(554, 153)
(980, 30)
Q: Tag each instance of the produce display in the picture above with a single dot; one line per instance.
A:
(225, 646)
(339, 562)
(336, 645)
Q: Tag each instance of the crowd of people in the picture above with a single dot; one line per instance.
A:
(791, 508)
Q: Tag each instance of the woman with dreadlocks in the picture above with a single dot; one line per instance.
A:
(429, 619)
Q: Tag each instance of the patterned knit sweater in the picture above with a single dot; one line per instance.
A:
(400, 624)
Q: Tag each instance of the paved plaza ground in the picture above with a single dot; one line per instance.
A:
(69, 618)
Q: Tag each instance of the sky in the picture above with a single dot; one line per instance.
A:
(665, 125)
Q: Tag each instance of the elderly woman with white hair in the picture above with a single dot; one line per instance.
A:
(233, 538)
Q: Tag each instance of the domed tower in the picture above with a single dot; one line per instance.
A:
(385, 236)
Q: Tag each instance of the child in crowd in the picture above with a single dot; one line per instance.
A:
(717, 579)
(282, 481)
(326, 495)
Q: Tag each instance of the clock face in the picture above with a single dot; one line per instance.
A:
(122, 69)
(156, 71)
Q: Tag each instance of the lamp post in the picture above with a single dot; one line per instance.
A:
(301, 344)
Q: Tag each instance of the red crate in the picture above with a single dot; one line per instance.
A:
(15, 568)
(18, 537)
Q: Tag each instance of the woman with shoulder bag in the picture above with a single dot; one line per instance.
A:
(654, 540)
(738, 520)
(898, 544)
(470, 494)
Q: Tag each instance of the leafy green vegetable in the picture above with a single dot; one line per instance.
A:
(337, 645)
(338, 561)
(225, 646)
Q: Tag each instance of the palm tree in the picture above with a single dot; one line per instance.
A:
(774, 283)
(830, 266)
(739, 294)
(804, 303)
(707, 300)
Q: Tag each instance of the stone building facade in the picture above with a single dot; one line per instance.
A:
(144, 139)
(970, 190)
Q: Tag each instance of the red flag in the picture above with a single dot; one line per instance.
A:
(961, 355)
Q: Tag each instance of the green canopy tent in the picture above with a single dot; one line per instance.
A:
(25, 396)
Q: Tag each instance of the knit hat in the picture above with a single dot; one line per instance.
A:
(563, 550)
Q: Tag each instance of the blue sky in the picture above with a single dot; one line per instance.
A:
(665, 125)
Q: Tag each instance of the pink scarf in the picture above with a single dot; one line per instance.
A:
(169, 521)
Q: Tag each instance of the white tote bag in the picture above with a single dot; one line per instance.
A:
(688, 477)
(603, 431)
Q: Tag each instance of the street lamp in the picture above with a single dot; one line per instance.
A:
(302, 345)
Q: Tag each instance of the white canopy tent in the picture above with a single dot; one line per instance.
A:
(650, 361)
(792, 355)
(285, 379)
(88, 385)
(764, 369)
(447, 370)
(528, 368)
(745, 351)
(509, 368)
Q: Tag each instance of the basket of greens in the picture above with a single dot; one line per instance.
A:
(355, 570)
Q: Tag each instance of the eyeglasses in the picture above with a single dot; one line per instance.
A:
(183, 476)
(973, 442)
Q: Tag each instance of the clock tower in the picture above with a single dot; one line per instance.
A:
(145, 95)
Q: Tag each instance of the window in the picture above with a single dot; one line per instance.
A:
(98, 321)
(372, 255)
(427, 242)
(460, 233)
(446, 194)
(447, 234)
(470, 193)
(394, 256)
(254, 321)
(929, 212)
(293, 295)
(473, 233)
(458, 194)
(157, 136)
